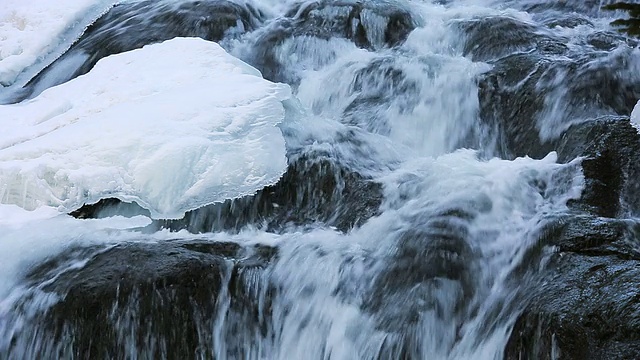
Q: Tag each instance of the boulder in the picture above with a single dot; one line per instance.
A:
(585, 305)
(553, 8)
(144, 299)
(531, 98)
(492, 38)
(369, 25)
(609, 146)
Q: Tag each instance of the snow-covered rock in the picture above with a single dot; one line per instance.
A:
(172, 126)
(30, 30)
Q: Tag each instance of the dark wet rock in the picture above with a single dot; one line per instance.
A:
(367, 113)
(130, 26)
(392, 89)
(525, 93)
(149, 299)
(492, 38)
(585, 305)
(553, 8)
(569, 21)
(531, 95)
(596, 236)
(609, 147)
(607, 41)
(510, 102)
(109, 207)
(432, 270)
(369, 25)
(376, 87)
(596, 85)
(510, 97)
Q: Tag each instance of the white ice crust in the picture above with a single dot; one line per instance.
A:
(172, 126)
(635, 116)
(31, 29)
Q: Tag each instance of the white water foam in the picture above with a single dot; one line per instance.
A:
(324, 310)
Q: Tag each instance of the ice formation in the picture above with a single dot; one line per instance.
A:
(32, 30)
(172, 126)
(635, 116)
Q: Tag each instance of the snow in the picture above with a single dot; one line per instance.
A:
(32, 29)
(635, 116)
(172, 126)
(12, 216)
(28, 237)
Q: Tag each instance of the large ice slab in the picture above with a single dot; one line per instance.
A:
(32, 30)
(173, 126)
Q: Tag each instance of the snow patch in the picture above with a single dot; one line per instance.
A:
(635, 116)
(172, 126)
(30, 30)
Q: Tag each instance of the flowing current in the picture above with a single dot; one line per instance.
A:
(400, 228)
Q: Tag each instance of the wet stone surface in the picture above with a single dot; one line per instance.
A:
(161, 297)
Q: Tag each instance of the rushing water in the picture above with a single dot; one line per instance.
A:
(433, 274)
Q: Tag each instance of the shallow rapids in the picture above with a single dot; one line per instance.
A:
(424, 172)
